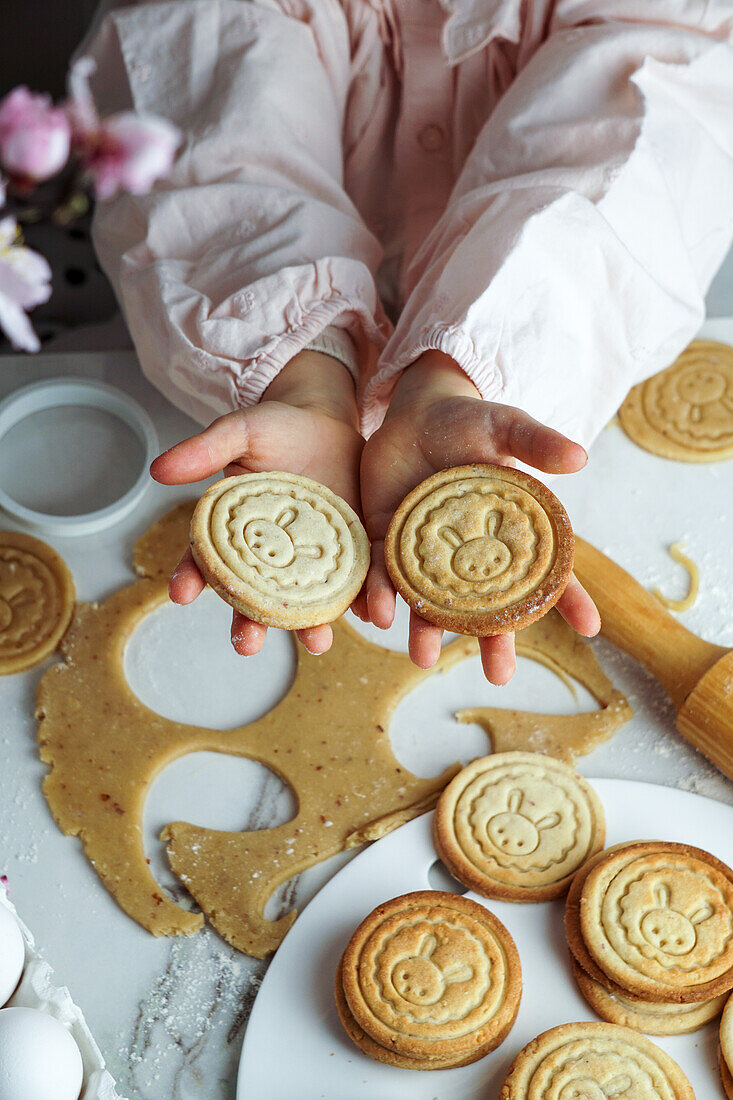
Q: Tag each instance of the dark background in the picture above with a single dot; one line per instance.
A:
(37, 38)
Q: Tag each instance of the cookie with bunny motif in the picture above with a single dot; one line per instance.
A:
(37, 596)
(388, 1056)
(480, 550)
(686, 411)
(280, 548)
(517, 826)
(432, 975)
(602, 1061)
(657, 919)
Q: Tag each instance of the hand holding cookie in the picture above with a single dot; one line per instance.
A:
(436, 421)
(306, 424)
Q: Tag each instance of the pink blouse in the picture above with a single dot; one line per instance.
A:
(542, 189)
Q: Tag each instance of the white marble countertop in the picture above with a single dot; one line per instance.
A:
(169, 1014)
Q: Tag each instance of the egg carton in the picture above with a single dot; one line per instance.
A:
(37, 989)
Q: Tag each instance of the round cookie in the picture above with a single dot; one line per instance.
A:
(280, 548)
(433, 975)
(594, 1060)
(36, 601)
(480, 550)
(686, 411)
(651, 1017)
(658, 920)
(725, 1050)
(389, 1056)
(573, 932)
(517, 826)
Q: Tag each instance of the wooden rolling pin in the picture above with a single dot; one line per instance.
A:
(697, 674)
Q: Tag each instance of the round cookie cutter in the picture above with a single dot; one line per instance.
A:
(65, 392)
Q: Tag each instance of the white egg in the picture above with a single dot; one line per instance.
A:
(12, 954)
(39, 1060)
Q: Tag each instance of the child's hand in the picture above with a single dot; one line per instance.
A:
(435, 420)
(306, 424)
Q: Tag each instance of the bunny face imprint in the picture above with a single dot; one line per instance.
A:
(700, 386)
(478, 544)
(523, 820)
(271, 543)
(478, 559)
(686, 411)
(516, 834)
(433, 971)
(288, 545)
(421, 981)
(668, 930)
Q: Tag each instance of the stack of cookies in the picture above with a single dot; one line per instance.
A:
(725, 1050)
(430, 981)
(517, 826)
(650, 928)
(580, 1061)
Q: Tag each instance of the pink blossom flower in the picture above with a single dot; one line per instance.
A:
(35, 136)
(25, 282)
(124, 152)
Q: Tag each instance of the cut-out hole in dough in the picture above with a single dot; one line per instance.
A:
(180, 663)
(216, 791)
(440, 878)
(427, 739)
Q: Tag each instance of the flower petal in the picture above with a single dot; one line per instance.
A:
(17, 327)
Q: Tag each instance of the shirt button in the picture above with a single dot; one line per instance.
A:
(431, 138)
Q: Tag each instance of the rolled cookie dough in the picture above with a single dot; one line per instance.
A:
(105, 748)
(331, 746)
(36, 601)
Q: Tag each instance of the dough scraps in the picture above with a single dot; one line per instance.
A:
(686, 411)
(36, 601)
(677, 552)
(105, 748)
(552, 643)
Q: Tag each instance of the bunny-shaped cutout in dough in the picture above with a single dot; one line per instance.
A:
(513, 832)
(481, 558)
(272, 544)
(420, 981)
(667, 929)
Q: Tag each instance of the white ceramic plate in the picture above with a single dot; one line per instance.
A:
(294, 1048)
